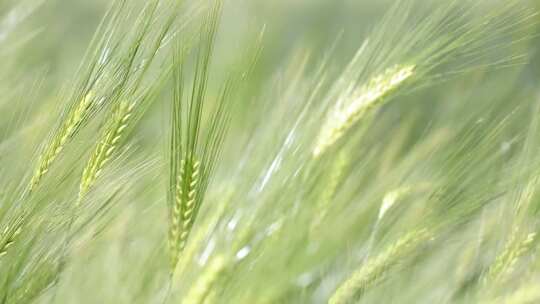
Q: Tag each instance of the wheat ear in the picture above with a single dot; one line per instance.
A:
(350, 109)
(184, 206)
(106, 146)
(505, 262)
(66, 131)
(193, 153)
(204, 229)
(374, 269)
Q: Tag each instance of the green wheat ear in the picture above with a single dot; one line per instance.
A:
(205, 228)
(128, 110)
(196, 141)
(190, 163)
(184, 206)
(107, 145)
(504, 263)
(352, 108)
(113, 68)
(60, 138)
(121, 121)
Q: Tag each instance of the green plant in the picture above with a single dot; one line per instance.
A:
(192, 159)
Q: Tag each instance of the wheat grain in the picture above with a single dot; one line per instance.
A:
(350, 109)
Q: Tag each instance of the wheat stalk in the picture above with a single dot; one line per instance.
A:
(352, 108)
(202, 287)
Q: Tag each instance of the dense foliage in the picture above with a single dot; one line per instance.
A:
(249, 151)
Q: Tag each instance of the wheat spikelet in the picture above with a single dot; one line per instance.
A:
(61, 137)
(519, 251)
(500, 261)
(375, 268)
(200, 290)
(107, 145)
(369, 96)
(505, 262)
(7, 240)
(184, 207)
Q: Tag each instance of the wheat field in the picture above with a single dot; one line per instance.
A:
(285, 151)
